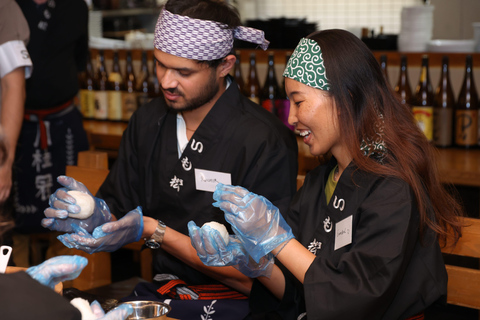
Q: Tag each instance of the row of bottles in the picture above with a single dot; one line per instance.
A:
(270, 96)
(445, 121)
(115, 96)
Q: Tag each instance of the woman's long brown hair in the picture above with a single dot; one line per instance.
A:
(361, 94)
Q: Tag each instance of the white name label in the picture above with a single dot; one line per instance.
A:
(206, 180)
(343, 232)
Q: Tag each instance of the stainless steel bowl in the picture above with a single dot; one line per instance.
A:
(143, 309)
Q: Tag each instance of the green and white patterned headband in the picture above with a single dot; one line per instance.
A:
(306, 65)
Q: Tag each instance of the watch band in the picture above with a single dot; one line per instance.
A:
(155, 241)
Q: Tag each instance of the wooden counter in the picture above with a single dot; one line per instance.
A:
(105, 135)
(456, 166)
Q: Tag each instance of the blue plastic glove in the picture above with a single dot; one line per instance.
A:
(119, 313)
(213, 252)
(107, 237)
(58, 269)
(61, 204)
(255, 220)
(95, 310)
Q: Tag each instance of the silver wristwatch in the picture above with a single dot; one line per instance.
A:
(156, 239)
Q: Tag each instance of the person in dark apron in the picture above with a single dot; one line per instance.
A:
(52, 132)
(361, 237)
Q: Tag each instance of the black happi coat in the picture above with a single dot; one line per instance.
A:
(386, 272)
(236, 137)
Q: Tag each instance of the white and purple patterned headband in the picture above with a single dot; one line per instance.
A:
(198, 39)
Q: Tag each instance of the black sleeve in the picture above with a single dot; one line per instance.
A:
(24, 298)
(122, 189)
(274, 174)
(264, 305)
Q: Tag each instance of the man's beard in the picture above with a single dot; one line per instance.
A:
(206, 95)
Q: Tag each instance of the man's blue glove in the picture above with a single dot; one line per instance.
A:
(95, 310)
(255, 220)
(61, 204)
(213, 252)
(107, 237)
(119, 313)
(58, 269)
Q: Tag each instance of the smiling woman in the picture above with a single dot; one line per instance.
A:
(360, 239)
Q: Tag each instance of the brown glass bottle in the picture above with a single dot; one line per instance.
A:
(422, 106)
(252, 88)
(115, 88)
(101, 95)
(157, 92)
(270, 91)
(283, 104)
(383, 66)
(237, 73)
(145, 85)
(129, 102)
(87, 90)
(402, 87)
(443, 105)
(466, 111)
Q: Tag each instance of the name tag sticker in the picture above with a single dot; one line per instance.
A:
(343, 232)
(206, 180)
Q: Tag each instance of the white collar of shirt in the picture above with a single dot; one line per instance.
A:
(182, 139)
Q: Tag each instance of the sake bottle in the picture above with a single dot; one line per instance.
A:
(130, 95)
(402, 88)
(443, 105)
(101, 95)
(87, 90)
(237, 73)
(466, 111)
(115, 89)
(423, 101)
(270, 91)
(253, 86)
(383, 66)
(145, 86)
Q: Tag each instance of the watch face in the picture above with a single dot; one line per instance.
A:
(152, 244)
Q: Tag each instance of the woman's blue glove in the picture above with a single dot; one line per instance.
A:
(61, 204)
(255, 220)
(213, 252)
(107, 237)
(58, 269)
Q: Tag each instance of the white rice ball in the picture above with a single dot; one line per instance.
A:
(85, 202)
(220, 228)
(84, 307)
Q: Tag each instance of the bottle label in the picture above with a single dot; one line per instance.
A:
(442, 126)
(466, 127)
(115, 77)
(129, 104)
(101, 105)
(269, 105)
(255, 99)
(424, 117)
(87, 103)
(114, 105)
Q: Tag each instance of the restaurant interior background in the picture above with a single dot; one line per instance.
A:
(452, 19)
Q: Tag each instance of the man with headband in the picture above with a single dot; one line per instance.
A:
(178, 147)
